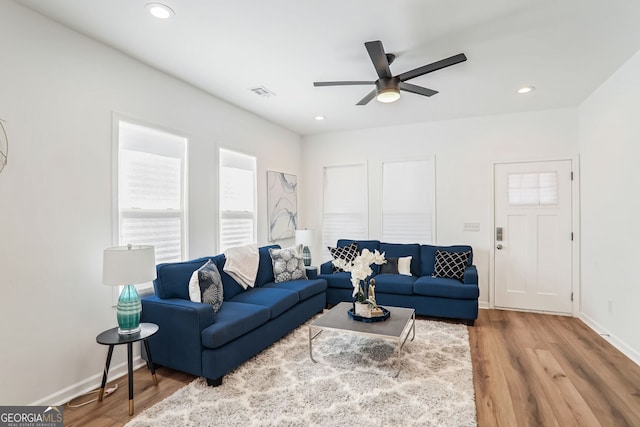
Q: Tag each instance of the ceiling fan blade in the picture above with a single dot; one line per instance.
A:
(342, 83)
(369, 97)
(417, 89)
(455, 59)
(379, 59)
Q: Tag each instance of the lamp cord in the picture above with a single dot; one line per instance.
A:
(107, 392)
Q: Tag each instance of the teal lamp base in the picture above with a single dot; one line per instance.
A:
(128, 311)
(306, 256)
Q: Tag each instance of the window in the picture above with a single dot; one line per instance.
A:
(237, 199)
(408, 189)
(151, 190)
(345, 208)
(533, 189)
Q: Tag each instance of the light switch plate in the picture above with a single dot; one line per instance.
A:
(471, 226)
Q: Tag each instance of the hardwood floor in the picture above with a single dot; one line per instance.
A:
(529, 370)
(541, 370)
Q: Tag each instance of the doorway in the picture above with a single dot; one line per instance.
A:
(533, 236)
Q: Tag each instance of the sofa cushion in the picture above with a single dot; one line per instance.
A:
(428, 256)
(231, 287)
(372, 245)
(450, 265)
(397, 250)
(206, 286)
(347, 253)
(341, 280)
(445, 288)
(172, 279)
(304, 288)
(232, 321)
(276, 300)
(394, 284)
(265, 266)
(288, 264)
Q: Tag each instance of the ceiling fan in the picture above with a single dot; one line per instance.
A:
(388, 86)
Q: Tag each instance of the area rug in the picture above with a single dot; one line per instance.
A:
(357, 381)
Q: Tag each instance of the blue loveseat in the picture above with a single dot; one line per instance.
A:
(192, 339)
(429, 296)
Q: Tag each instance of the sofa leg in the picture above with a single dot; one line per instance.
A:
(471, 322)
(214, 382)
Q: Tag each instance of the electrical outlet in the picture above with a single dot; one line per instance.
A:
(471, 226)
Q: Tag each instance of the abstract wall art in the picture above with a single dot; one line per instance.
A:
(282, 205)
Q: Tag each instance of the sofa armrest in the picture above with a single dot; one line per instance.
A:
(470, 275)
(326, 268)
(178, 343)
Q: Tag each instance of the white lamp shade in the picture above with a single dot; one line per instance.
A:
(304, 237)
(128, 265)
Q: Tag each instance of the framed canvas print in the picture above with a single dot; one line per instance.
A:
(282, 205)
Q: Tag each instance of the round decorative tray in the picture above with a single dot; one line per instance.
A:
(385, 315)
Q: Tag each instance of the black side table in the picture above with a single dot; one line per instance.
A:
(112, 338)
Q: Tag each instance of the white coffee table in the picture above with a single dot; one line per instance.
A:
(396, 328)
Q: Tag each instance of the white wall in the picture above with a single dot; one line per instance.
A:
(464, 150)
(58, 91)
(610, 149)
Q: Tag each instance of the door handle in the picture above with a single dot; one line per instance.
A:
(499, 247)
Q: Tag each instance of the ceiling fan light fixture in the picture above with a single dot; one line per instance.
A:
(387, 96)
(160, 11)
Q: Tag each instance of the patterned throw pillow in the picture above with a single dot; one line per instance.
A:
(347, 253)
(288, 264)
(206, 286)
(451, 265)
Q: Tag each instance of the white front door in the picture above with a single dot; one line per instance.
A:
(533, 236)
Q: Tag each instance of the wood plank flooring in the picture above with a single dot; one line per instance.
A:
(529, 370)
(541, 370)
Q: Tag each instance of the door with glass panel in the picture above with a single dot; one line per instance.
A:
(533, 236)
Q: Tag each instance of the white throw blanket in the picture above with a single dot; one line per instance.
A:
(242, 264)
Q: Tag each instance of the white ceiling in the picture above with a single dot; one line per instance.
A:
(564, 48)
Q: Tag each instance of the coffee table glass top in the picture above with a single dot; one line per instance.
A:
(338, 319)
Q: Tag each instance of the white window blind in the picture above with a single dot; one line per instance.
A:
(408, 189)
(345, 211)
(151, 190)
(237, 199)
(533, 188)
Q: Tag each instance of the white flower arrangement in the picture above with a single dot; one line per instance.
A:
(360, 269)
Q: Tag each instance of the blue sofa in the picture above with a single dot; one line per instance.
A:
(192, 339)
(429, 296)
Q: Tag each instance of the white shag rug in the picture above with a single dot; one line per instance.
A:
(354, 383)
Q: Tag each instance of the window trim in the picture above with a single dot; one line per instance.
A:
(237, 214)
(434, 239)
(367, 222)
(117, 118)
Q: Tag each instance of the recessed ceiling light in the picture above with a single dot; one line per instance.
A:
(160, 10)
(526, 89)
(319, 118)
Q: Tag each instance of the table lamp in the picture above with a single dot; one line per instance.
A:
(127, 266)
(305, 237)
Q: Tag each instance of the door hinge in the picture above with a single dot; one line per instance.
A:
(572, 236)
(571, 175)
(571, 296)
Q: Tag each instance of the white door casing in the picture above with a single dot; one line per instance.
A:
(533, 256)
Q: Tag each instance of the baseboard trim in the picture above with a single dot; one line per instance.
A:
(80, 388)
(611, 338)
(483, 304)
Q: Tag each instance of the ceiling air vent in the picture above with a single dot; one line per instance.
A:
(262, 91)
